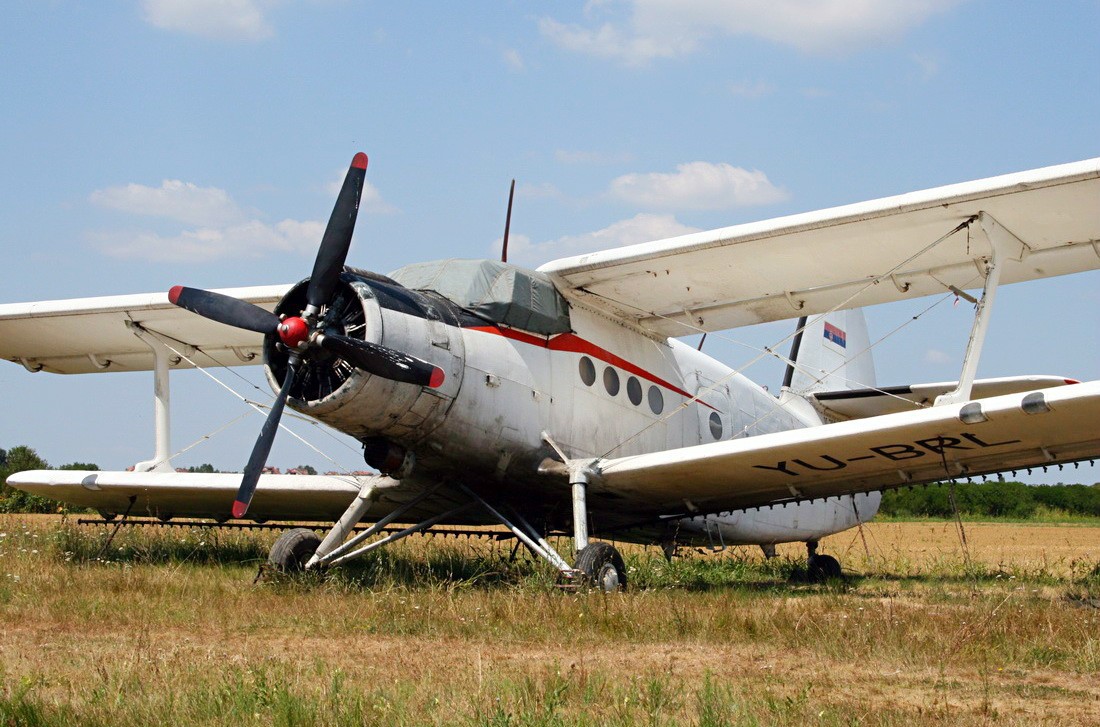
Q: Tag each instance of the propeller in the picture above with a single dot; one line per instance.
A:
(337, 238)
(262, 448)
(304, 334)
(224, 309)
(382, 361)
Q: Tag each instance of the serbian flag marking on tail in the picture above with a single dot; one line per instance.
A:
(836, 335)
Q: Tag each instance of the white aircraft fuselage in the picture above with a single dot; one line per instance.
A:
(511, 398)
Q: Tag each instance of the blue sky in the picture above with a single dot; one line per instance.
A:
(147, 144)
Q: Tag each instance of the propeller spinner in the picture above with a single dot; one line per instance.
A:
(303, 334)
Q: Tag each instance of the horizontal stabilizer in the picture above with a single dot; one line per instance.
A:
(863, 403)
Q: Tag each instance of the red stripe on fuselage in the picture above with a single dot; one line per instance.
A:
(572, 343)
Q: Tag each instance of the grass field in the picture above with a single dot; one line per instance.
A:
(167, 628)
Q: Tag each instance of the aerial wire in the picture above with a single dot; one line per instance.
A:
(769, 352)
(258, 408)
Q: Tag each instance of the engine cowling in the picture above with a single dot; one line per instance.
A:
(378, 310)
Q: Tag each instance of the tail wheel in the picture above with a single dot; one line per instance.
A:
(293, 549)
(602, 566)
(823, 568)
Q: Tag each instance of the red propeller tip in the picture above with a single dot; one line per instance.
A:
(359, 161)
(174, 294)
(239, 508)
(437, 378)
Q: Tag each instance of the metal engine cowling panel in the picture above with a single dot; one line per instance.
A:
(354, 401)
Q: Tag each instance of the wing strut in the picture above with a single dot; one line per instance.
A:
(1006, 246)
(162, 419)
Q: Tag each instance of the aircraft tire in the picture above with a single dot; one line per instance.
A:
(823, 568)
(603, 566)
(292, 550)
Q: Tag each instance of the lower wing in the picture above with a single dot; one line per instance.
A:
(170, 494)
(1014, 431)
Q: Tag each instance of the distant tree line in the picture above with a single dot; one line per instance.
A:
(974, 499)
(992, 499)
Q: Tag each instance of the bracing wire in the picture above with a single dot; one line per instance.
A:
(770, 352)
(256, 406)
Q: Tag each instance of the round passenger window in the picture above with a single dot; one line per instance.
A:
(656, 400)
(634, 391)
(715, 425)
(588, 371)
(611, 380)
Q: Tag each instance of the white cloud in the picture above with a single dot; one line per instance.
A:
(546, 190)
(251, 239)
(608, 41)
(513, 59)
(370, 200)
(672, 28)
(182, 201)
(929, 66)
(936, 356)
(751, 90)
(215, 19)
(640, 228)
(698, 186)
(220, 227)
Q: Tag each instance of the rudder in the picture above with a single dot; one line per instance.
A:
(832, 353)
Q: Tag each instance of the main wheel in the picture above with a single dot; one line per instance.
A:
(823, 568)
(293, 549)
(603, 566)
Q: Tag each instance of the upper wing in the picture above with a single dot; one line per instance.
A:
(1014, 431)
(814, 262)
(89, 335)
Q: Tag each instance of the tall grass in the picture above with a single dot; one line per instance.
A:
(166, 626)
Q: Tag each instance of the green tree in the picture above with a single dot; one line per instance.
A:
(18, 459)
(991, 499)
(84, 466)
(305, 469)
(207, 469)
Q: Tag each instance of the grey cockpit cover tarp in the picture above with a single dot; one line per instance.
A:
(503, 293)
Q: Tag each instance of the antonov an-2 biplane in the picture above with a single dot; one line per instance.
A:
(559, 400)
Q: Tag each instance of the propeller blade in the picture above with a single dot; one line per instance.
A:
(224, 309)
(337, 239)
(382, 361)
(262, 448)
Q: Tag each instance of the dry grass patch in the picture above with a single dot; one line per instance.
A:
(170, 629)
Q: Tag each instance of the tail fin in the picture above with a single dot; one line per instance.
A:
(831, 353)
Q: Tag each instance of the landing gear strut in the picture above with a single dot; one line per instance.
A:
(821, 568)
(599, 563)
